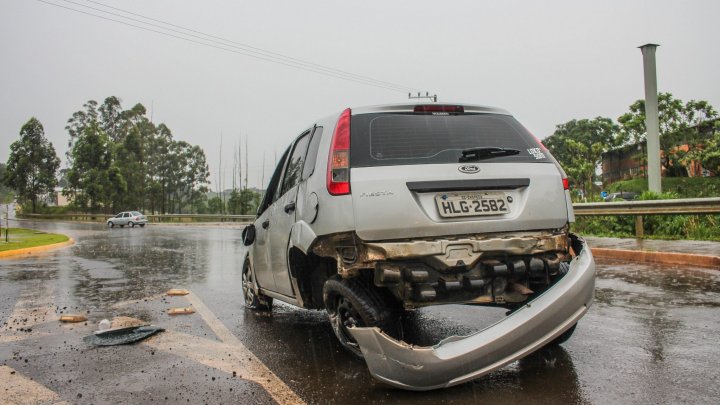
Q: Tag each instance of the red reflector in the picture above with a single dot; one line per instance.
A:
(566, 184)
(434, 108)
(338, 173)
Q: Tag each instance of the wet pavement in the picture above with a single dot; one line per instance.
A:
(651, 336)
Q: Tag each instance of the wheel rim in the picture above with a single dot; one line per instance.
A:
(248, 287)
(346, 317)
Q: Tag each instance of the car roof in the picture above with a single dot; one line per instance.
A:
(409, 107)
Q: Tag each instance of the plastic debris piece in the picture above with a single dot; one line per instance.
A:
(181, 311)
(176, 291)
(73, 318)
(104, 325)
(121, 336)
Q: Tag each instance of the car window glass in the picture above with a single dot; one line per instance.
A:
(119, 215)
(270, 194)
(295, 164)
(408, 139)
(127, 214)
(309, 167)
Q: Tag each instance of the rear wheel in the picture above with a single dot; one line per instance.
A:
(563, 337)
(253, 298)
(110, 224)
(353, 303)
(132, 224)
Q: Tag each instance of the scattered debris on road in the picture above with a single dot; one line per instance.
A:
(73, 318)
(122, 336)
(176, 291)
(181, 311)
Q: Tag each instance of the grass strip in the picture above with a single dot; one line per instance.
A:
(20, 238)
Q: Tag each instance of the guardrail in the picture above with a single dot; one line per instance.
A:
(695, 206)
(151, 217)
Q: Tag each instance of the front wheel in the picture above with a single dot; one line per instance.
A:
(253, 298)
(356, 303)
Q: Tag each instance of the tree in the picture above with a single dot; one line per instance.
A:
(677, 121)
(5, 191)
(578, 146)
(92, 179)
(709, 154)
(32, 163)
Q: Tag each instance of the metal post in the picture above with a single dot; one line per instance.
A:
(639, 228)
(651, 117)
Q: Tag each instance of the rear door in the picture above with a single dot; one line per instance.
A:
(425, 175)
(283, 215)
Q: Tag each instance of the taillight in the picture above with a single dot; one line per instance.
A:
(338, 174)
(566, 183)
(435, 108)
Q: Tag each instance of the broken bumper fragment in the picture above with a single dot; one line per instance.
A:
(459, 359)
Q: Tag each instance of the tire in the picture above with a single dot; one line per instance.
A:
(563, 337)
(122, 226)
(253, 299)
(110, 224)
(356, 302)
(131, 224)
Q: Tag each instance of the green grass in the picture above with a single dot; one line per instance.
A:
(20, 238)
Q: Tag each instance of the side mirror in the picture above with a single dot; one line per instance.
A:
(248, 235)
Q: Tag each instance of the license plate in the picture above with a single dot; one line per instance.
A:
(472, 204)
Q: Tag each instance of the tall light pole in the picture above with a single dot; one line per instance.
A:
(651, 118)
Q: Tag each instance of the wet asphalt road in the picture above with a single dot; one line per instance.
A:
(651, 337)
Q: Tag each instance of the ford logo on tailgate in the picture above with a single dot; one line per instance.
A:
(469, 169)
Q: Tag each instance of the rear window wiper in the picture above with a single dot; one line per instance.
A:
(486, 152)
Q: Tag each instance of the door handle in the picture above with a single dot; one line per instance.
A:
(266, 224)
(289, 207)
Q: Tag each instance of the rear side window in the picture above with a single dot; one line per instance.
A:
(295, 164)
(312, 153)
(408, 139)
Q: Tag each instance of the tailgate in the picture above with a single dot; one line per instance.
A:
(416, 201)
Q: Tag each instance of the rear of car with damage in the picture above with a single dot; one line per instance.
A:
(428, 204)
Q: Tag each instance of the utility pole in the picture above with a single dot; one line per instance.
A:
(420, 96)
(651, 118)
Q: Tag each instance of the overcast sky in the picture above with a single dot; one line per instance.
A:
(546, 62)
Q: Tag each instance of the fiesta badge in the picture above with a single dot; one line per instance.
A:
(469, 169)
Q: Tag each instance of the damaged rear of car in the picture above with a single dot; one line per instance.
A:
(382, 210)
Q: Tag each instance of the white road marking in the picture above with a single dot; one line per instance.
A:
(15, 388)
(253, 368)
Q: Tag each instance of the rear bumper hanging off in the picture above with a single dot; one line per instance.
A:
(459, 359)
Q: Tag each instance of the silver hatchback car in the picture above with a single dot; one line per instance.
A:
(375, 211)
(129, 218)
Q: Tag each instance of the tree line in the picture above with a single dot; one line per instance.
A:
(117, 160)
(579, 144)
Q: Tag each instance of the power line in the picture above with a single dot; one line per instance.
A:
(238, 49)
(246, 46)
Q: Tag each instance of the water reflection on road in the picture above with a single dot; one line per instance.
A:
(649, 338)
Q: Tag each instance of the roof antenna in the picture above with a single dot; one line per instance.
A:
(427, 95)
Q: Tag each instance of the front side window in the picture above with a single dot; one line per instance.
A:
(270, 193)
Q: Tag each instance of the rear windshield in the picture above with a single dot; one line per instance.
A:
(409, 139)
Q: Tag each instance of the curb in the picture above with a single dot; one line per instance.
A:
(36, 249)
(658, 257)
